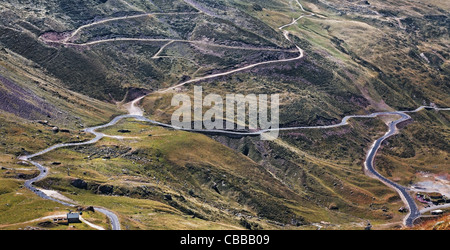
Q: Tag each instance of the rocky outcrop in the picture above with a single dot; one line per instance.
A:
(214, 186)
(79, 183)
(88, 208)
(106, 189)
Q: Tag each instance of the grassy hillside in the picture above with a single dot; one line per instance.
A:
(422, 147)
(357, 54)
(193, 175)
(67, 64)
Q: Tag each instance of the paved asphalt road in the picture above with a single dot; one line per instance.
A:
(403, 192)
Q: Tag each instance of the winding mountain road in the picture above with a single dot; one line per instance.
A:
(301, 55)
(114, 220)
(133, 109)
(413, 212)
(137, 113)
(115, 224)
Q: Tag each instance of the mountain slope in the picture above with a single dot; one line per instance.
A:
(68, 63)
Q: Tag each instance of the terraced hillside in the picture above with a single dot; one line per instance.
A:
(72, 64)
